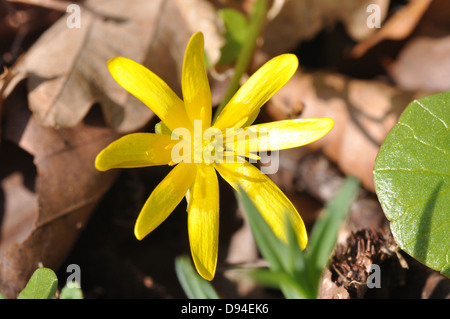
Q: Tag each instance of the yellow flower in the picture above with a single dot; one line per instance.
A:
(198, 148)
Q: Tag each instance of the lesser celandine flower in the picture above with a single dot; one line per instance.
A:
(198, 148)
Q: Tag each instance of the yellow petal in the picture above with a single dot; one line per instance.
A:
(151, 90)
(258, 89)
(279, 135)
(135, 150)
(203, 221)
(194, 82)
(164, 198)
(252, 118)
(267, 197)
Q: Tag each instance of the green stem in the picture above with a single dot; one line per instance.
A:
(243, 60)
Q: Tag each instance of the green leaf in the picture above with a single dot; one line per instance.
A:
(286, 260)
(296, 257)
(269, 278)
(325, 231)
(280, 280)
(42, 285)
(192, 283)
(71, 290)
(236, 25)
(298, 272)
(304, 273)
(324, 236)
(412, 180)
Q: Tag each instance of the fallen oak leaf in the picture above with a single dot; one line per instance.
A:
(66, 67)
(17, 193)
(41, 223)
(67, 189)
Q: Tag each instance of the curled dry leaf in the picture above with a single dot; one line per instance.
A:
(52, 188)
(49, 186)
(424, 61)
(66, 67)
(301, 20)
(363, 111)
(397, 27)
(4, 80)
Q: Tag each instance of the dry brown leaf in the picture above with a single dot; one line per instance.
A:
(50, 187)
(424, 61)
(66, 67)
(67, 71)
(300, 20)
(46, 205)
(5, 76)
(423, 64)
(398, 27)
(363, 111)
(200, 15)
(18, 198)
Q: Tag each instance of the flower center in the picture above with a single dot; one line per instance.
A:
(210, 151)
(200, 147)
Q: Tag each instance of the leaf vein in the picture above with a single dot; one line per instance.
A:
(421, 141)
(432, 114)
(412, 170)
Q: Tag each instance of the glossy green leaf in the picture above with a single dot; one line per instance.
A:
(194, 286)
(412, 180)
(42, 285)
